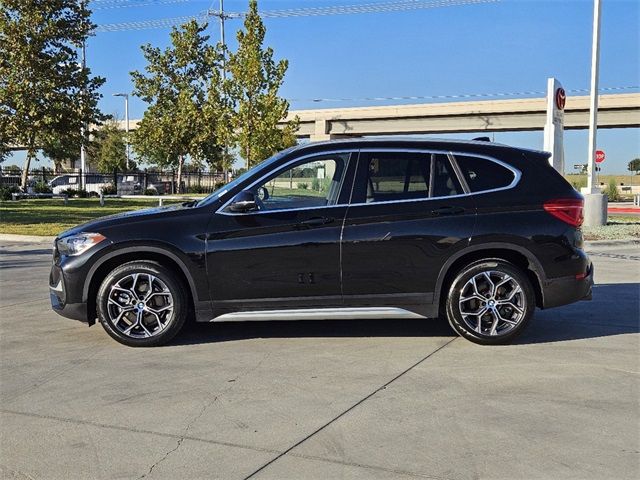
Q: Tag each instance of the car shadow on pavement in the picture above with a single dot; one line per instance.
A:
(232, 331)
(614, 310)
(22, 258)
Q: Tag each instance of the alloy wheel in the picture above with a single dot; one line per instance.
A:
(492, 303)
(140, 305)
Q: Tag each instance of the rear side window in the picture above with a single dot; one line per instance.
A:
(482, 174)
(444, 181)
(397, 176)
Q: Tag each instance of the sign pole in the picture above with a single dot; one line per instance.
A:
(554, 126)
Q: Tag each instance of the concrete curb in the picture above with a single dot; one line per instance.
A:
(9, 237)
(610, 243)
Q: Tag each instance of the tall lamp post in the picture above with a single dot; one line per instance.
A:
(126, 119)
(595, 203)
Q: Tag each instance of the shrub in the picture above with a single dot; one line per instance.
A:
(302, 186)
(219, 185)
(196, 189)
(41, 187)
(150, 191)
(612, 191)
(7, 190)
(73, 193)
(315, 185)
(109, 190)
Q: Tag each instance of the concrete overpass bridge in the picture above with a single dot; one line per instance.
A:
(615, 111)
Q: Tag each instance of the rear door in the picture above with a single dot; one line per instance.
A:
(409, 213)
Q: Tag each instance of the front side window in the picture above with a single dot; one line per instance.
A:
(483, 174)
(315, 182)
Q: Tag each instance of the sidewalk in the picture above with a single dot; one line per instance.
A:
(9, 237)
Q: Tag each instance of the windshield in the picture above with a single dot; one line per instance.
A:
(238, 180)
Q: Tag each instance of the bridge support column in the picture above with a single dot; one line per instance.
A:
(321, 131)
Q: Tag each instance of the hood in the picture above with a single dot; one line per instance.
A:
(95, 226)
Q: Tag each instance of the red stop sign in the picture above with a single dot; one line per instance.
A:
(599, 156)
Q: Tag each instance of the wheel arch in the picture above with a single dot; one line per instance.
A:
(108, 262)
(519, 256)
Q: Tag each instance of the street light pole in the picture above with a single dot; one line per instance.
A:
(224, 66)
(126, 120)
(595, 202)
(593, 112)
(83, 130)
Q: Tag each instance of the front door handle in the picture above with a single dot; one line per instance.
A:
(316, 222)
(447, 211)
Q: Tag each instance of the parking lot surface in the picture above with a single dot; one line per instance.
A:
(326, 399)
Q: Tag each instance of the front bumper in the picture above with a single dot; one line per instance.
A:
(59, 299)
(566, 290)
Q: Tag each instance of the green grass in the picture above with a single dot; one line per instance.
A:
(50, 217)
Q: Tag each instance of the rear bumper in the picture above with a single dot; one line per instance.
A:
(565, 290)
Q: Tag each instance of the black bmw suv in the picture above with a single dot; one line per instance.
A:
(476, 232)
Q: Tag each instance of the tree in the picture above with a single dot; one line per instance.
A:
(253, 88)
(44, 94)
(108, 149)
(181, 86)
(634, 165)
(61, 148)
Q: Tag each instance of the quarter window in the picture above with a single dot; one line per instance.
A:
(482, 174)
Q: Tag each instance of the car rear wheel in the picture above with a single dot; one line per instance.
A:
(142, 304)
(490, 302)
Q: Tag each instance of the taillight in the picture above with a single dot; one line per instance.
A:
(569, 210)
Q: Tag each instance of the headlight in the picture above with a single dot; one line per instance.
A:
(76, 244)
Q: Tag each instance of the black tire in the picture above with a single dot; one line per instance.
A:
(480, 328)
(166, 288)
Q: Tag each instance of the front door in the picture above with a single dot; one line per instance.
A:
(286, 254)
(408, 215)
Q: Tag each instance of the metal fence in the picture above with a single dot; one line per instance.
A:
(121, 183)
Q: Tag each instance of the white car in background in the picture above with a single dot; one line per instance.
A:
(93, 184)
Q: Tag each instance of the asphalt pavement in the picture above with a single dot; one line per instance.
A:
(322, 399)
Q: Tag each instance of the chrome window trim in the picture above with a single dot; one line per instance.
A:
(456, 170)
(516, 178)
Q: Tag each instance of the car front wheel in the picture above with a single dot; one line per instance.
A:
(142, 304)
(490, 302)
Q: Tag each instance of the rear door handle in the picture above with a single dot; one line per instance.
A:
(316, 222)
(447, 211)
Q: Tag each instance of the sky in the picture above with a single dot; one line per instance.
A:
(499, 47)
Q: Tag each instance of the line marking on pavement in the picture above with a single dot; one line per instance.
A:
(352, 407)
